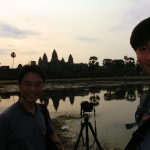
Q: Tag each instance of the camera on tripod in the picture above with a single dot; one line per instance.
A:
(86, 107)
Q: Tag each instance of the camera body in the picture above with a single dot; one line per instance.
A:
(86, 106)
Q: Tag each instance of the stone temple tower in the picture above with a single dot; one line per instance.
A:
(40, 62)
(54, 56)
(70, 59)
(45, 60)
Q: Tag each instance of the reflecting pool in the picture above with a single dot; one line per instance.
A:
(114, 107)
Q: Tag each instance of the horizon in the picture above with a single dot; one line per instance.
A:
(64, 60)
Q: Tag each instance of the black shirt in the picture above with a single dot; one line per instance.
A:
(21, 130)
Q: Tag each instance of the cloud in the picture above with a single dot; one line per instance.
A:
(4, 51)
(7, 30)
(7, 51)
(86, 39)
(28, 52)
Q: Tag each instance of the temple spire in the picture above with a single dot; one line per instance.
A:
(54, 56)
(45, 60)
(70, 59)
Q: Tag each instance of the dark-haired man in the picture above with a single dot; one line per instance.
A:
(22, 125)
(140, 42)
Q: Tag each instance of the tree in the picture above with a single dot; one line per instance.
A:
(129, 65)
(95, 99)
(93, 64)
(107, 62)
(118, 65)
(13, 55)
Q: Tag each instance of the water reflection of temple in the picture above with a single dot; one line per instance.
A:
(127, 92)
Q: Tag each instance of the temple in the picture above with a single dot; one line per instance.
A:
(54, 68)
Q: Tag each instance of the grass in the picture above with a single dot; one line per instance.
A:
(127, 78)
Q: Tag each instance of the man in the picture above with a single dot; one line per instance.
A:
(22, 125)
(140, 42)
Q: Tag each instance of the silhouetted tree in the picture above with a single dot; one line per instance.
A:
(13, 55)
(129, 65)
(95, 99)
(118, 65)
(107, 63)
(93, 64)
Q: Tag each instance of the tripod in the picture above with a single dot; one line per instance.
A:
(87, 124)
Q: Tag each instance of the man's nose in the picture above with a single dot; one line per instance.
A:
(33, 88)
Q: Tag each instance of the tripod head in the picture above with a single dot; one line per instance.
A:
(86, 117)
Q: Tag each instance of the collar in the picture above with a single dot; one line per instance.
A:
(24, 109)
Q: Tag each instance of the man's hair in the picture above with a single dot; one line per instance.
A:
(141, 34)
(31, 68)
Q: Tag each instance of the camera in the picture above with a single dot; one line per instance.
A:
(86, 106)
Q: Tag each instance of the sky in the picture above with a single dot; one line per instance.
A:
(82, 28)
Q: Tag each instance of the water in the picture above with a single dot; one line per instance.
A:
(114, 108)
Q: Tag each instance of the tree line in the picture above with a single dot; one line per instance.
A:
(92, 69)
(116, 67)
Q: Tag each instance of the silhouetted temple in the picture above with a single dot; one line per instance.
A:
(59, 68)
(54, 60)
(56, 68)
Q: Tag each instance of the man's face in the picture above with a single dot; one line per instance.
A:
(143, 57)
(31, 87)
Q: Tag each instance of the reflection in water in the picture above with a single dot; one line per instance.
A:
(5, 96)
(95, 99)
(130, 96)
(118, 92)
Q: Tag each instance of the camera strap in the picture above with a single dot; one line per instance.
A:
(95, 122)
(138, 136)
(50, 144)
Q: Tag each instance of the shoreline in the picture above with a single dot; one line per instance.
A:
(61, 84)
(65, 80)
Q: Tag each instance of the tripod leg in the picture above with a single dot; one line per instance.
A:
(97, 142)
(77, 143)
(87, 137)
